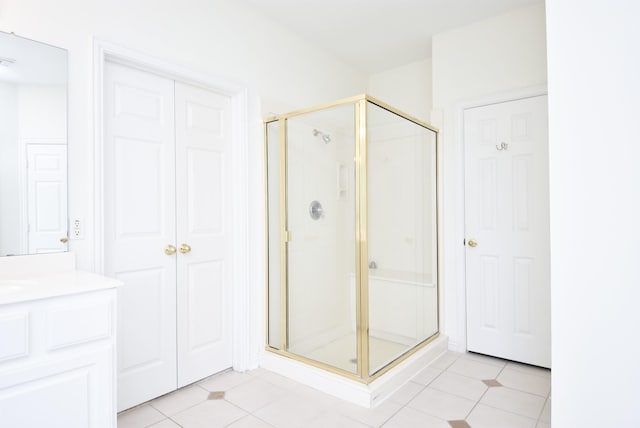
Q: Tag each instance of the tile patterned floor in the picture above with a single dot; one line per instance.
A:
(456, 391)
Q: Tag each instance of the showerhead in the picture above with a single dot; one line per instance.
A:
(325, 137)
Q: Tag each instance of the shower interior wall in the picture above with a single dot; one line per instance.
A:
(321, 310)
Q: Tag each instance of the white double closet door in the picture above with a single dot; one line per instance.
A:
(167, 230)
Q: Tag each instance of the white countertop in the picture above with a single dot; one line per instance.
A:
(52, 285)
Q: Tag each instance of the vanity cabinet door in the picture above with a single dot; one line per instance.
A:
(67, 392)
(59, 367)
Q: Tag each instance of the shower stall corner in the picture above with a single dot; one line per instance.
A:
(352, 247)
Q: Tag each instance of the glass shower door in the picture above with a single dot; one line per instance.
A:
(321, 240)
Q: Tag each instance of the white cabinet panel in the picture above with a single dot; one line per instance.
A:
(14, 331)
(84, 321)
(65, 373)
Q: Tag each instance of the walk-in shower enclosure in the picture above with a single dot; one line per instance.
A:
(352, 222)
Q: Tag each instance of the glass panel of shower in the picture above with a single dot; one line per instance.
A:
(402, 246)
(352, 236)
(321, 246)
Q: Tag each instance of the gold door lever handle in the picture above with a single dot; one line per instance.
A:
(472, 243)
(185, 248)
(169, 250)
(64, 239)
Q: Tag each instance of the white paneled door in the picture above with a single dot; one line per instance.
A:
(166, 228)
(507, 230)
(202, 137)
(47, 197)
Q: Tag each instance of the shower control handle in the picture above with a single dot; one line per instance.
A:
(315, 210)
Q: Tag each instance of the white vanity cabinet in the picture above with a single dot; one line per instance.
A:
(58, 351)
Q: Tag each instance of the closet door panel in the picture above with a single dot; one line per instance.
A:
(202, 150)
(140, 221)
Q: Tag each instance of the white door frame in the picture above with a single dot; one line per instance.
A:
(458, 333)
(244, 354)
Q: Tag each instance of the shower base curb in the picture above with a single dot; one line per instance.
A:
(364, 395)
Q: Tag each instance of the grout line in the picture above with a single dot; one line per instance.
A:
(542, 410)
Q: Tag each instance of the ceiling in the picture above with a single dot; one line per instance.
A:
(377, 35)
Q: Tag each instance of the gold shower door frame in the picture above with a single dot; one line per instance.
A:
(362, 267)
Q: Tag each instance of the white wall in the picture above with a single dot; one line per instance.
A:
(500, 54)
(407, 88)
(595, 206)
(209, 36)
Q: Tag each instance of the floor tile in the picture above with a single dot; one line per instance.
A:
(441, 404)
(475, 369)
(257, 372)
(486, 359)
(254, 394)
(487, 417)
(445, 360)
(408, 417)
(459, 424)
(525, 382)
(427, 375)
(406, 393)
(180, 400)
(167, 423)
(545, 416)
(532, 370)
(374, 417)
(279, 380)
(491, 383)
(249, 421)
(459, 385)
(334, 420)
(224, 381)
(514, 401)
(138, 417)
(292, 411)
(209, 414)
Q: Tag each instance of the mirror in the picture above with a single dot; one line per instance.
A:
(33, 147)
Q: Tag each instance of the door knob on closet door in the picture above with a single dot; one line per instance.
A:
(64, 239)
(472, 243)
(185, 248)
(169, 250)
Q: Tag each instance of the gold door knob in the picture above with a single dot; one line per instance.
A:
(64, 239)
(472, 243)
(185, 248)
(169, 250)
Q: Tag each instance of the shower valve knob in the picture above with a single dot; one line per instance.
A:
(315, 210)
